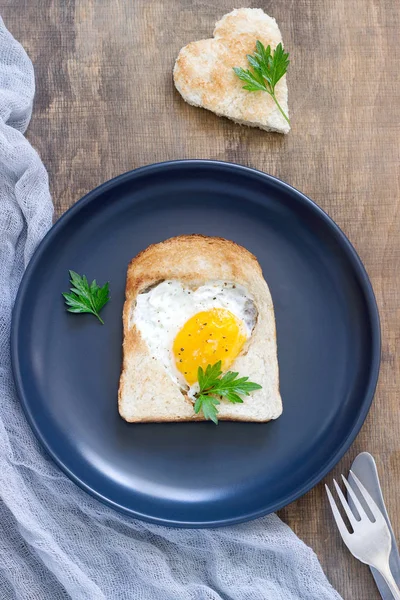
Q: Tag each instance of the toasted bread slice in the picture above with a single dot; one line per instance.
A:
(204, 76)
(146, 390)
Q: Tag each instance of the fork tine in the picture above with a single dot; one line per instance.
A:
(345, 505)
(344, 532)
(368, 499)
(353, 496)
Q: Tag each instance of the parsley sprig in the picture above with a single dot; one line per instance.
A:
(268, 68)
(85, 297)
(214, 387)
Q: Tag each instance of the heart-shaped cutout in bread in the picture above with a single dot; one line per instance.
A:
(204, 76)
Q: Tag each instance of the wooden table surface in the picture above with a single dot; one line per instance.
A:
(105, 103)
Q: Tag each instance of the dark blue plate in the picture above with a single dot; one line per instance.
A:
(196, 474)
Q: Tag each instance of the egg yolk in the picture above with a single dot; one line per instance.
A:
(206, 338)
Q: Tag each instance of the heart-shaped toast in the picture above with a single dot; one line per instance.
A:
(204, 76)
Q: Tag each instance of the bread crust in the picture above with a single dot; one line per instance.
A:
(146, 391)
(204, 76)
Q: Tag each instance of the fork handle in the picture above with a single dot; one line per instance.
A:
(388, 577)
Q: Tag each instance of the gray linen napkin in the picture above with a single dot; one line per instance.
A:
(57, 542)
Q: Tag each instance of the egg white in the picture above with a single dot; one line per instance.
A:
(161, 312)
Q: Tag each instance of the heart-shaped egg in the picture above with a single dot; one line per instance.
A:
(187, 327)
(204, 76)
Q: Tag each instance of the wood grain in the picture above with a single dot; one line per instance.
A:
(105, 104)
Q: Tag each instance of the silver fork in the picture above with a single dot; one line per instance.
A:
(370, 541)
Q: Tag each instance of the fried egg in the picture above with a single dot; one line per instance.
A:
(187, 327)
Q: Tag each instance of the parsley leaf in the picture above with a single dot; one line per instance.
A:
(208, 404)
(210, 376)
(268, 68)
(85, 298)
(212, 386)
